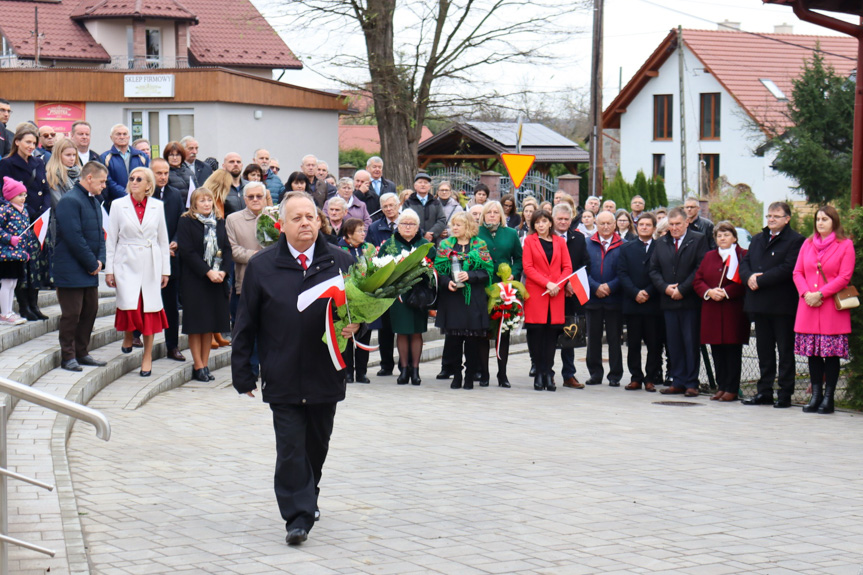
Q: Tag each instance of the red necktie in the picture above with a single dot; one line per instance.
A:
(772, 237)
(676, 245)
(303, 259)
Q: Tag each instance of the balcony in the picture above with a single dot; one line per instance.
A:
(116, 63)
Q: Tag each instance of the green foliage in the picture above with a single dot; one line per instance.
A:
(656, 190)
(816, 150)
(801, 223)
(640, 187)
(618, 190)
(853, 226)
(355, 157)
(738, 205)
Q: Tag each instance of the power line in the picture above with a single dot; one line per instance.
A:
(765, 37)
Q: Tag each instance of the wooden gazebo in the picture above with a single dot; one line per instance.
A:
(482, 143)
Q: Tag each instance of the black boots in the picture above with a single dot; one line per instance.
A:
(33, 298)
(404, 375)
(415, 375)
(817, 398)
(549, 382)
(827, 404)
(24, 304)
(538, 382)
(456, 380)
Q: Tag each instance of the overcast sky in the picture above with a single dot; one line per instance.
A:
(633, 29)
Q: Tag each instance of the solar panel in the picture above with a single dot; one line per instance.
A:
(533, 135)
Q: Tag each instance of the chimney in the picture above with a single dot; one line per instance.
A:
(783, 29)
(728, 25)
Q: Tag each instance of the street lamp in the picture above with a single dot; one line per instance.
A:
(803, 9)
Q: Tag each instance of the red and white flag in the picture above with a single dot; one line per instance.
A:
(105, 221)
(40, 227)
(333, 290)
(581, 287)
(733, 266)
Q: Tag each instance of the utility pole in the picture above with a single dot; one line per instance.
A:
(35, 33)
(596, 102)
(683, 171)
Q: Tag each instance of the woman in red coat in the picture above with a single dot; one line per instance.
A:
(724, 325)
(546, 262)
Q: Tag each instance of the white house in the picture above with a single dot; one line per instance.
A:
(735, 97)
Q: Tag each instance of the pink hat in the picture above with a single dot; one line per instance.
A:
(12, 188)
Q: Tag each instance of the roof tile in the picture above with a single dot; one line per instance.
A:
(131, 8)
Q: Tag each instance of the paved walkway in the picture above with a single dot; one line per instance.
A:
(430, 480)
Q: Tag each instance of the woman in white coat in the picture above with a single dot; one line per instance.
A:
(138, 263)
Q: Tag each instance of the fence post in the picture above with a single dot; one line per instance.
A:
(492, 180)
(345, 171)
(569, 183)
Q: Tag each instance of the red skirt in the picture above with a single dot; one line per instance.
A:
(149, 323)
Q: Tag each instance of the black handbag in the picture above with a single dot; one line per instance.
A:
(421, 297)
(574, 332)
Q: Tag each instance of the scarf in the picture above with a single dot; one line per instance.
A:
(491, 227)
(729, 256)
(74, 174)
(211, 245)
(822, 244)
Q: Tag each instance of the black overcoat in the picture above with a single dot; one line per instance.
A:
(632, 271)
(205, 304)
(668, 267)
(776, 293)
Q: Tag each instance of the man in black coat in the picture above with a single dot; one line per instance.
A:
(6, 135)
(429, 209)
(771, 299)
(698, 224)
(672, 271)
(380, 185)
(298, 379)
(174, 206)
(641, 306)
(202, 171)
(576, 245)
(364, 193)
(79, 256)
(380, 231)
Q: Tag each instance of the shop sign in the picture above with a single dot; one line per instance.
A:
(60, 115)
(148, 86)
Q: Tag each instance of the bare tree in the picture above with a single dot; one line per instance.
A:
(448, 41)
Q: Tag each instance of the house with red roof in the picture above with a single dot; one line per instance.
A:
(736, 86)
(167, 69)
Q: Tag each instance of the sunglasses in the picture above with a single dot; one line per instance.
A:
(136, 179)
(54, 135)
(255, 196)
(275, 170)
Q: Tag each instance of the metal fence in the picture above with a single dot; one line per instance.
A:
(461, 179)
(116, 63)
(535, 184)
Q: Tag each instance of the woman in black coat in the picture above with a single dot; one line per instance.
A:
(181, 174)
(203, 247)
(22, 166)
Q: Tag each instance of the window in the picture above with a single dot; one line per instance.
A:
(662, 110)
(6, 48)
(710, 168)
(130, 47)
(773, 89)
(710, 112)
(154, 47)
(659, 165)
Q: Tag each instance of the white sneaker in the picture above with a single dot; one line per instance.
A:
(12, 318)
(18, 319)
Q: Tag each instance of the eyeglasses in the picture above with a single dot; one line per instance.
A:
(255, 196)
(136, 179)
(275, 169)
(772, 217)
(54, 135)
(407, 225)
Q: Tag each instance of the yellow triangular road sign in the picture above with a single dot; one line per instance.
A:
(518, 165)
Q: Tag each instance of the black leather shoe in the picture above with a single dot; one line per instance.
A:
(503, 382)
(592, 382)
(613, 384)
(782, 403)
(759, 399)
(91, 361)
(362, 379)
(143, 373)
(483, 383)
(549, 382)
(210, 376)
(415, 376)
(444, 374)
(538, 382)
(71, 365)
(468, 384)
(317, 514)
(456, 381)
(382, 372)
(404, 376)
(296, 536)
(199, 375)
(532, 372)
(349, 378)
(125, 349)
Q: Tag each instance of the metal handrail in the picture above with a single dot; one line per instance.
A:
(58, 404)
(48, 401)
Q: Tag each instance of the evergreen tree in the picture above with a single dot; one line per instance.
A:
(816, 150)
(639, 188)
(660, 197)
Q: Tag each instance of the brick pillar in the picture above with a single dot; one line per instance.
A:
(569, 183)
(492, 180)
(139, 43)
(347, 171)
(182, 49)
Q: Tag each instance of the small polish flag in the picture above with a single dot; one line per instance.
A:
(581, 287)
(106, 220)
(332, 288)
(40, 227)
(733, 266)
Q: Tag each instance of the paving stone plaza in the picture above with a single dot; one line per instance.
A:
(428, 480)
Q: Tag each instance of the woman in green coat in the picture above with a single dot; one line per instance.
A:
(408, 324)
(504, 246)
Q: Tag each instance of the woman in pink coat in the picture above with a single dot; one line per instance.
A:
(546, 262)
(822, 330)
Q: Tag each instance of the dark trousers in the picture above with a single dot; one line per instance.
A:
(302, 441)
(449, 352)
(727, 364)
(772, 333)
(612, 319)
(541, 342)
(484, 348)
(356, 358)
(644, 328)
(462, 347)
(385, 341)
(78, 309)
(683, 337)
(172, 311)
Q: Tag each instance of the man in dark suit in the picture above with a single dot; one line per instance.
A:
(698, 224)
(576, 245)
(379, 232)
(299, 381)
(174, 205)
(604, 309)
(80, 136)
(641, 306)
(6, 136)
(672, 271)
(364, 193)
(202, 171)
(321, 191)
(771, 299)
(380, 185)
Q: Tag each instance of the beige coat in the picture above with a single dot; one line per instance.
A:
(137, 253)
(241, 228)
